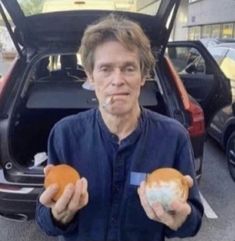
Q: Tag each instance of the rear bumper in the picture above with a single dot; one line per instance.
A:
(18, 203)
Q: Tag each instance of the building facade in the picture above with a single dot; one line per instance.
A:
(211, 19)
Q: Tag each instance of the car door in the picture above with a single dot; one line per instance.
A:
(228, 67)
(201, 76)
(221, 126)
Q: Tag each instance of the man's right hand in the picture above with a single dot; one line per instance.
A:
(71, 201)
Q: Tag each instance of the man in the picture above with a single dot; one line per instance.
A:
(113, 145)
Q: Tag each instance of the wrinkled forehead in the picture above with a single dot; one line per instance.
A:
(116, 51)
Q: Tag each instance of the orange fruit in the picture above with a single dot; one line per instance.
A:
(165, 185)
(61, 175)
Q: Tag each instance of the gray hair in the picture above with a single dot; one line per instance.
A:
(117, 28)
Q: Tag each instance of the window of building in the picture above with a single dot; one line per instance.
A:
(197, 32)
(215, 31)
(206, 31)
(227, 30)
(194, 33)
(191, 34)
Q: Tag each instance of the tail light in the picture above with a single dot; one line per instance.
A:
(197, 124)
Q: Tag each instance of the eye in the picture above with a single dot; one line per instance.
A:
(104, 69)
(129, 69)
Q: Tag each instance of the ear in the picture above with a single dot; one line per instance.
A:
(90, 78)
(143, 80)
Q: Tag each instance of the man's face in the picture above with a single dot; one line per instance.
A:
(116, 78)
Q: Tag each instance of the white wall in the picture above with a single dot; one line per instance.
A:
(211, 11)
(180, 30)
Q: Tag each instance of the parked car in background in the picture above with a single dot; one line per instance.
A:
(189, 61)
(210, 42)
(201, 75)
(224, 54)
(222, 129)
(41, 88)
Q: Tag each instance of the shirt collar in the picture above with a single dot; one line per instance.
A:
(129, 139)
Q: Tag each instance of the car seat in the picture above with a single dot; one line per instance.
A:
(69, 66)
(42, 68)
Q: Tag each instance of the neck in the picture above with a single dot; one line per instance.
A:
(121, 125)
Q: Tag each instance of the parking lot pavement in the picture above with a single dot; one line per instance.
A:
(217, 189)
(21, 231)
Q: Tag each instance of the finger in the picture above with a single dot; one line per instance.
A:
(188, 180)
(181, 208)
(66, 218)
(47, 196)
(65, 198)
(144, 202)
(84, 195)
(84, 200)
(84, 185)
(75, 200)
(179, 214)
(162, 215)
(47, 168)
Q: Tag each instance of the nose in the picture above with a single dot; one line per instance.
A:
(117, 78)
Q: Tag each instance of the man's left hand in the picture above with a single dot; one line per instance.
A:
(173, 218)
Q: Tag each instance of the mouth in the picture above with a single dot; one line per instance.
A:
(112, 98)
(120, 94)
(119, 97)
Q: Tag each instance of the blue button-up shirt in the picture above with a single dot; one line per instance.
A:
(114, 170)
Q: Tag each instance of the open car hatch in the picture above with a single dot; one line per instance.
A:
(45, 27)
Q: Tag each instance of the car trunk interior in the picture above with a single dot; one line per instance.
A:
(50, 94)
(49, 98)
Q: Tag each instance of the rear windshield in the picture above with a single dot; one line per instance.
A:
(32, 7)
